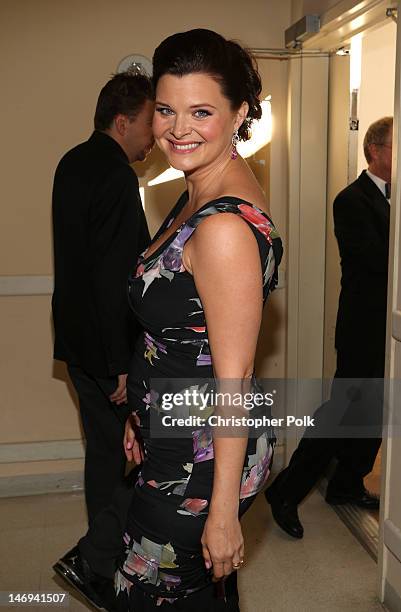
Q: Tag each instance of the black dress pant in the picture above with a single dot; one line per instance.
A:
(363, 371)
(103, 424)
(103, 544)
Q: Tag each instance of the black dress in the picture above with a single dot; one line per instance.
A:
(163, 566)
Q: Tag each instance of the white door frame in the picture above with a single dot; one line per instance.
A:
(390, 511)
(306, 231)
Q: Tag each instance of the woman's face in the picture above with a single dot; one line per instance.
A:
(193, 122)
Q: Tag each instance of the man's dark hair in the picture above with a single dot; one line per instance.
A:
(124, 94)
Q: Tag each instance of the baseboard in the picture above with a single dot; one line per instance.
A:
(26, 285)
(38, 484)
(52, 450)
(64, 482)
(392, 599)
(392, 538)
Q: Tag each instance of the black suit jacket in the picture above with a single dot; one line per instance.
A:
(99, 229)
(361, 224)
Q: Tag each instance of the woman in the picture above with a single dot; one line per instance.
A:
(198, 291)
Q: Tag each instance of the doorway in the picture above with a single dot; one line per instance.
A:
(371, 74)
(373, 21)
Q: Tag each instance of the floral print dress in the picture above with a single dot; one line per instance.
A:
(163, 559)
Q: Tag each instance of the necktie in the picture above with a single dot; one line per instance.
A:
(387, 187)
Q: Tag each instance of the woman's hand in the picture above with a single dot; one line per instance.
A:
(132, 447)
(222, 544)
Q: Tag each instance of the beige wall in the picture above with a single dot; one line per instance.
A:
(337, 171)
(55, 57)
(318, 7)
(311, 7)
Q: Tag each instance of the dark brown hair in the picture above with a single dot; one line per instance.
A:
(124, 94)
(232, 66)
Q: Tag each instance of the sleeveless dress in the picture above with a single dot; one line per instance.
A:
(163, 566)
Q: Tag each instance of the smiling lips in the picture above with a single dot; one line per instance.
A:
(180, 147)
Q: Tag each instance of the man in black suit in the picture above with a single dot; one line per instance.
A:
(99, 229)
(361, 225)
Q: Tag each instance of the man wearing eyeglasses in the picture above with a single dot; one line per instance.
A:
(361, 225)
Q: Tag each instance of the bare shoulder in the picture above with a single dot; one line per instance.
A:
(222, 227)
(223, 238)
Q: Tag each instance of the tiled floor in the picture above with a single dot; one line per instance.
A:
(326, 571)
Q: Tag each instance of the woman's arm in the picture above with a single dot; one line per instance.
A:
(224, 259)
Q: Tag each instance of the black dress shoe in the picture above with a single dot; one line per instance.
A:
(99, 591)
(284, 513)
(363, 499)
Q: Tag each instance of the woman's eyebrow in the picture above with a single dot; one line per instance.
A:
(203, 104)
(199, 105)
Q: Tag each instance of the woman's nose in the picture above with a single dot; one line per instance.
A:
(181, 127)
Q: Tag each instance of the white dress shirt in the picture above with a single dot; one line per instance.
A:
(379, 182)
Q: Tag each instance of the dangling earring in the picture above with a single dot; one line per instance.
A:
(234, 142)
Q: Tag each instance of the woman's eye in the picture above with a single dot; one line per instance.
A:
(163, 110)
(201, 113)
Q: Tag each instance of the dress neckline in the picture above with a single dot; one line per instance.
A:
(145, 259)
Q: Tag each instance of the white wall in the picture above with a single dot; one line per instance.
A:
(376, 100)
(377, 80)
